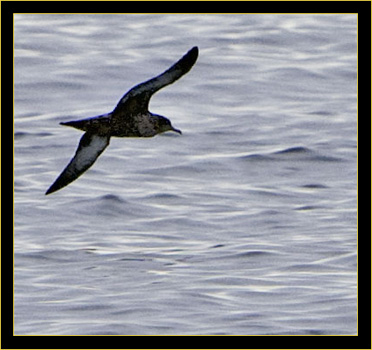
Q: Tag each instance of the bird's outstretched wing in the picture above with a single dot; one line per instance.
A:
(90, 147)
(137, 99)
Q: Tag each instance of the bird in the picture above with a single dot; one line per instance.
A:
(130, 118)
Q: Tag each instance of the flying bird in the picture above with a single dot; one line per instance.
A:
(130, 118)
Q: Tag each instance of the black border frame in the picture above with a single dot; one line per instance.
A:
(362, 8)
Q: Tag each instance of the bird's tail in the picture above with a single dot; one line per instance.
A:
(77, 124)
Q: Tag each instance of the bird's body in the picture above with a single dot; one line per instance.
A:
(130, 118)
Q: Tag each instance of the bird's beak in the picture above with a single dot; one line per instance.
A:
(177, 130)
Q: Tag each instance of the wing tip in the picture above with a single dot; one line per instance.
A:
(48, 192)
(192, 55)
(194, 49)
(55, 187)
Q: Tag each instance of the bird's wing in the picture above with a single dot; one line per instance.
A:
(137, 99)
(90, 147)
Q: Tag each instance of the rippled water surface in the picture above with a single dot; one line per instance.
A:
(245, 224)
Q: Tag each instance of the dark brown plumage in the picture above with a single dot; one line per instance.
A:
(130, 118)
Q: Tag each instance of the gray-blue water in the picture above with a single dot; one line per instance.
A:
(245, 224)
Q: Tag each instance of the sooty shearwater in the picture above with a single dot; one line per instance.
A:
(130, 118)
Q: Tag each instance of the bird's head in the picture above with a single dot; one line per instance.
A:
(164, 124)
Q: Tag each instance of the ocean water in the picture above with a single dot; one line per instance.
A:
(244, 224)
